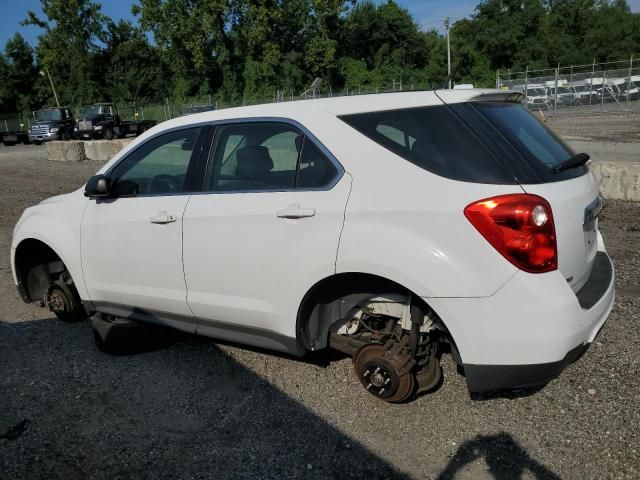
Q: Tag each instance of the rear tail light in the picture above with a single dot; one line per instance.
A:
(520, 227)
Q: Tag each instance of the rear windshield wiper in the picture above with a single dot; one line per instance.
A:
(577, 160)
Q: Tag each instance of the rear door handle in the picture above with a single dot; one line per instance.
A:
(163, 218)
(296, 212)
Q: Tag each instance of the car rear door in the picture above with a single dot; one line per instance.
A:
(132, 241)
(263, 231)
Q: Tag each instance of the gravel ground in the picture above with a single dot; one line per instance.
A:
(611, 127)
(201, 409)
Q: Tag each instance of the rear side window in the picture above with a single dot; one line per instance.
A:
(538, 145)
(435, 139)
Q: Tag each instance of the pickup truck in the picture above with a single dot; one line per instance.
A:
(51, 124)
(102, 120)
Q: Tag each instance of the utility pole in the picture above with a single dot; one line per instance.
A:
(446, 25)
(52, 87)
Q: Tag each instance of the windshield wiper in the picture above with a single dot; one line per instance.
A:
(576, 161)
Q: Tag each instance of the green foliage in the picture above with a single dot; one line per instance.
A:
(17, 68)
(134, 71)
(251, 49)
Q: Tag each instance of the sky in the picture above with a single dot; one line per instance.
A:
(429, 14)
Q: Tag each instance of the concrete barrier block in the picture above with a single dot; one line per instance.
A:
(72, 151)
(619, 180)
(104, 150)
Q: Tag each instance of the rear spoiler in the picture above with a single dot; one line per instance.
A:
(478, 95)
(507, 96)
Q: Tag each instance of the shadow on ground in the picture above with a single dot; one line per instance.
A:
(188, 411)
(504, 457)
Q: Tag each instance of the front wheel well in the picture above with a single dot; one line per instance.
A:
(37, 265)
(332, 298)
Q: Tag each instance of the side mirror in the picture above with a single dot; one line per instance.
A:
(97, 186)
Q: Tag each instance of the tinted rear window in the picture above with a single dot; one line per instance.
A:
(435, 139)
(537, 145)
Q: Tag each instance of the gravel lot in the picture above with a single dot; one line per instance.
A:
(200, 409)
(612, 127)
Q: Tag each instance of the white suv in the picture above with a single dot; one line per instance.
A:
(391, 227)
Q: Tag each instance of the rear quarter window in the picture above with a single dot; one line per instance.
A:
(536, 144)
(435, 139)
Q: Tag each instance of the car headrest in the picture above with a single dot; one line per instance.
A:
(427, 152)
(254, 161)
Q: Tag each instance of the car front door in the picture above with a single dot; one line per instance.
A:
(132, 240)
(263, 231)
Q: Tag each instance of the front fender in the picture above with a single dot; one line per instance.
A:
(57, 225)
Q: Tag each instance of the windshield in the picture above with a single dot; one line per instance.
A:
(92, 112)
(48, 115)
(535, 92)
(563, 90)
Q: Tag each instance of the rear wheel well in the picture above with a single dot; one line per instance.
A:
(332, 298)
(37, 265)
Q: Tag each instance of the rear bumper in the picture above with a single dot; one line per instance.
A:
(487, 378)
(530, 330)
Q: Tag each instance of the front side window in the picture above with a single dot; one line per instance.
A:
(265, 157)
(158, 167)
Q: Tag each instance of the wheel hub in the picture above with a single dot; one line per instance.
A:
(378, 379)
(382, 374)
(57, 302)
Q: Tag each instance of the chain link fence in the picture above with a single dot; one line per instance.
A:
(175, 108)
(598, 88)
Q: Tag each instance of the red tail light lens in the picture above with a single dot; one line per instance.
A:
(520, 226)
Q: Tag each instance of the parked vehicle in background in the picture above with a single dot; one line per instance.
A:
(198, 109)
(581, 92)
(52, 123)
(611, 90)
(564, 95)
(11, 137)
(536, 97)
(594, 86)
(631, 88)
(102, 120)
(393, 228)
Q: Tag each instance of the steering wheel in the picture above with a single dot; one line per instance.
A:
(163, 183)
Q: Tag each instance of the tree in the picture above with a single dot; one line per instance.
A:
(386, 40)
(70, 47)
(20, 75)
(196, 39)
(134, 71)
(235, 49)
(612, 30)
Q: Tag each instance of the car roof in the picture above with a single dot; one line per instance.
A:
(339, 105)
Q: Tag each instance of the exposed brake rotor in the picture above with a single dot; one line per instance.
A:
(386, 370)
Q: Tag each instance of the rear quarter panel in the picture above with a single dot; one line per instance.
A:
(408, 225)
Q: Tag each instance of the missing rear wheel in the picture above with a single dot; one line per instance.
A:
(386, 371)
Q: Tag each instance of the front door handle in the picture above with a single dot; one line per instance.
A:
(295, 211)
(163, 218)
